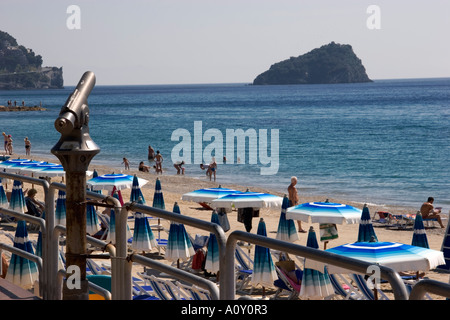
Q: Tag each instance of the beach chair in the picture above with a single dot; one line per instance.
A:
(94, 268)
(244, 270)
(367, 293)
(165, 290)
(343, 287)
(285, 283)
(141, 288)
(194, 292)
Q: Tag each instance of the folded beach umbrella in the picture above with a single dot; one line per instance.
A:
(398, 256)
(17, 202)
(179, 246)
(60, 210)
(315, 284)
(208, 194)
(136, 193)
(158, 197)
(143, 238)
(3, 199)
(248, 200)
(286, 227)
(212, 255)
(92, 224)
(264, 272)
(324, 212)
(21, 271)
(366, 232)
(419, 235)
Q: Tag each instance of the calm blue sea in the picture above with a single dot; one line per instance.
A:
(385, 142)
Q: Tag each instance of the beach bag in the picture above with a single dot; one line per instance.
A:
(198, 260)
(240, 215)
(328, 231)
(255, 213)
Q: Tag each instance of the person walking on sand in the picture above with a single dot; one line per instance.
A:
(293, 200)
(9, 145)
(158, 161)
(213, 167)
(429, 212)
(27, 146)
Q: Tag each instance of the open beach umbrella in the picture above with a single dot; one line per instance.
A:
(14, 165)
(286, 227)
(179, 246)
(118, 181)
(419, 238)
(398, 256)
(3, 199)
(92, 224)
(158, 197)
(136, 193)
(324, 212)
(21, 271)
(143, 238)
(212, 255)
(208, 194)
(366, 232)
(247, 200)
(315, 284)
(50, 172)
(36, 166)
(264, 272)
(17, 202)
(60, 210)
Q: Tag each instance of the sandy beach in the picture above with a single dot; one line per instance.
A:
(173, 186)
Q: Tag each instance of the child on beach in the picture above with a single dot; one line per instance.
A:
(179, 166)
(158, 161)
(126, 163)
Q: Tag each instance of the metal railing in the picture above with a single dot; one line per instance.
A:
(358, 266)
(429, 286)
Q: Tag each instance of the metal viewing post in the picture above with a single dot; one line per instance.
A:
(75, 149)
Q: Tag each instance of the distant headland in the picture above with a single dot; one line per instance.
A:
(21, 68)
(331, 63)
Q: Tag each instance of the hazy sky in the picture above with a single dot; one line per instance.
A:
(208, 41)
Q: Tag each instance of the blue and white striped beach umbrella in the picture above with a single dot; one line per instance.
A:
(158, 197)
(248, 200)
(21, 271)
(212, 256)
(36, 166)
(109, 181)
(208, 194)
(324, 212)
(366, 232)
(50, 172)
(17, 202)
(92, 224)
(419, 238)
(15, 165)
(315, 284)
(143, 238)
(136, 193)
(179, 246)
(264, 272)
(286, 227)
(3, 199)
(398, 256)
(60, 210)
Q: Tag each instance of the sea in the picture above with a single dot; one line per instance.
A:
(386, 142)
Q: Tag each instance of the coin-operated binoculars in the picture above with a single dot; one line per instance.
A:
(75, 150)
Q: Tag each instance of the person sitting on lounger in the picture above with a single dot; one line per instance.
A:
(34, 207)
(428, 212)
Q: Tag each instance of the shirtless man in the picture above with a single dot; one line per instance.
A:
(428, 212)
(293, 200)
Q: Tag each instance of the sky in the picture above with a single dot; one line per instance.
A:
(137, 42)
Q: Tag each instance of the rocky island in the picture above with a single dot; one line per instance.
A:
(331, 63)
(21, 68)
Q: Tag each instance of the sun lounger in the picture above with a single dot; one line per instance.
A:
(244, 270)
(194, 292)
(285, 283)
